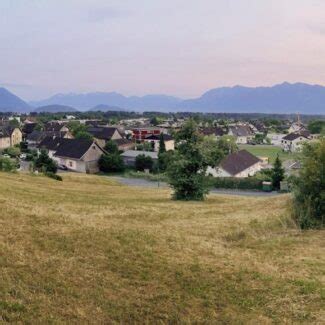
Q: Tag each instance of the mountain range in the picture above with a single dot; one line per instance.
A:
(282, 98)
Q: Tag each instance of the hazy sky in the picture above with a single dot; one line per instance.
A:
(177, 47)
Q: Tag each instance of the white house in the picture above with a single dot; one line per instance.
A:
(293, 142)
(239, 164)
(276, 138)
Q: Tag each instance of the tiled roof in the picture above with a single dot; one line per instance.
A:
(238, 162)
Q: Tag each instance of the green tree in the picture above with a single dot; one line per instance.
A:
(111, 147)
(45, 164)
(227, 144)
(143, 162)
(187, 168)
(162, 146)
(83, 135)
(111, 162)
(316, 127)
(309, 187)
(277, 173)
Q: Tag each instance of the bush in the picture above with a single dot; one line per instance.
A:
(54, 176)
(143, 162)
(250, 183)
(111, 163)
(45, 164)
(309, 187)
(7, 164)
(13, 152)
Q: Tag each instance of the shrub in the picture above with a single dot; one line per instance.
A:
(45, 164)
(13, 152)
(309, 187)
(111, 163)
(143, 162)
(7, 164)
(54, 176)
(250, 183)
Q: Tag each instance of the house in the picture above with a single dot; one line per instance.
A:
(10, 136)
(213, 131)
(139, 134)
(155, 141)
(124, 144)
(242, 133)
(50, 144)
(35, 138)
(102, 134)
(238, 164)
(293, 142)
(129, 156)
(296, 127)
(276, 138)
(79, 155)
(56, 127)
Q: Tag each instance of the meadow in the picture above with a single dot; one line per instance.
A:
(89, 250)
(269, 151)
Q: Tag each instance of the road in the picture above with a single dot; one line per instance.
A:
(150, 184)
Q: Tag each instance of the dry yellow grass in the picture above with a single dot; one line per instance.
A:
(88, 250)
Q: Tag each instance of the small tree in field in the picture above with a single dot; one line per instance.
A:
(188, 165)
(309, 187)
(277, 173)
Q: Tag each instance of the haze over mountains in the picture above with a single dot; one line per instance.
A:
(282, 98)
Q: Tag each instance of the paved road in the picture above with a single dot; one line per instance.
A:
(150, 184)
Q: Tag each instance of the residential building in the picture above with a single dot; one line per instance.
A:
(124, 144)
(79, 155)
(239, 164)
(242, 133)
(293, 142)
(10, 136)
(155, 141)
(102, 134)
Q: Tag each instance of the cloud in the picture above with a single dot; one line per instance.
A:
(317, 28)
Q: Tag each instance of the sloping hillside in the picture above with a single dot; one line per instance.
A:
(11, 103)
(87, 250)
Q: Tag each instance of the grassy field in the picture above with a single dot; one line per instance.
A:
(88, 250)
(268, 151)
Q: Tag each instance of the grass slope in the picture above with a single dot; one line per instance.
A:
(269, 151)
(87, 250)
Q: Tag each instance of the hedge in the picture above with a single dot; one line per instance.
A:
(249, 183)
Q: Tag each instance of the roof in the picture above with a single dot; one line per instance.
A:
(166, 137)
(6, 131)
(293, 136)
(238, 162)
(54, 126)
(104, 132)
(241, 130)
(123, 141)
(135, 153)
(38, 136)
(74, 148)
(51, 143)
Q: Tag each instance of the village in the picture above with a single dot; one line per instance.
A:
(78, 145)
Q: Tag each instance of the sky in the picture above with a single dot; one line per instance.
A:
(175, 47)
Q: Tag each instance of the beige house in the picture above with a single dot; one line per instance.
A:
(240, 164)
(155, 140)
(242, 133)
(102, 134)
(9, 137)
(79, 155)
